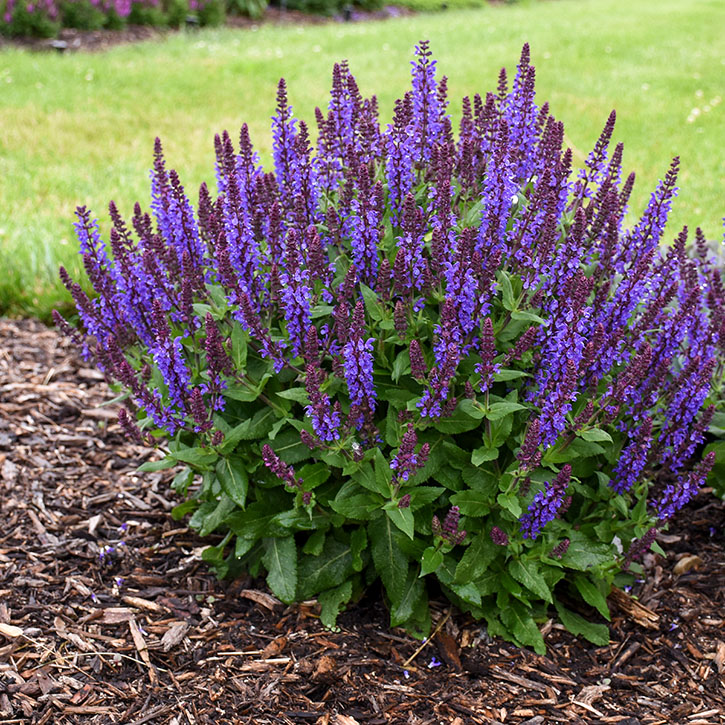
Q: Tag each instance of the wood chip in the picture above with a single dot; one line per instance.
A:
(140, 644)
(9, 631)
(686, 563)
(719, 659)
(644, 616)
(115, 615)
(140, 603)
(174, 636)
(263, 598)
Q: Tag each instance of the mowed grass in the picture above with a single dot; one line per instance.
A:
(79, 128)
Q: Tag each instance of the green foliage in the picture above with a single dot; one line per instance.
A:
(250, 8)
(317, 7)
(83, 15)
(26, 24)
(212, 13)
(176, 12)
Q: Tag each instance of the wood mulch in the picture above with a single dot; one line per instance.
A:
(108, 614)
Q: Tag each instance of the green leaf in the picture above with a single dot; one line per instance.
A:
(178, 512)
(403, 519)
(233, 478)
(298, 395)
(254, 522)
(476, 559)
(331, 603)
(328, 570)
(454, 455)
(592, 595)
(469, 407)
(527, 573)
(483, 454)
(213, 519)
(507, 292)
(596, 633)
(505, 407)
(358, 548)
(480, 480)
(468, 593)
(390, 562)
(290, 448)
(383, 474)
(412, 595)
(503, 375)
(254, 428)
(239, 347)
(372, 302)
(520, 623)
(579, 448)
(528, 316)
(459, 422)
(510, 502)
(182, 480)
(366, 477)
(472, 503)
(315, 542)
(314, 475)
(401, 365)
(280, 560)
(198, 457)
(432, 559)
(583, 553)
(321, 310)
(423, 495)
(358, 506)
(153, 466)
(596, 435)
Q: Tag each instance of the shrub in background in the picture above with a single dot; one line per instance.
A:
(82, 14)
(434, 360)
(250, 8)
(316, 7)
(147, 12)
(209, 12)
(177, 11)
(23, 18)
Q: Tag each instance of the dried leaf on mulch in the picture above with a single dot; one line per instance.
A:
(108, 614)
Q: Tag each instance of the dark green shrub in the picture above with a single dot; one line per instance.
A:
(414, 357)
(149, 12)
(176, 12)
(32, 20)
(250, 8)
(82, 14)
(210, 12)
(317, 7)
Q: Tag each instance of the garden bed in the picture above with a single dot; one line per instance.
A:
(71, 39)
(142, 633)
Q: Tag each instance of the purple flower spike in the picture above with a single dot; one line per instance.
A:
(546, 505)
(358, 367)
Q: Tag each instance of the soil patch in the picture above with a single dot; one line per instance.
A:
(109, 615)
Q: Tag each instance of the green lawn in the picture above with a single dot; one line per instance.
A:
(79, 129)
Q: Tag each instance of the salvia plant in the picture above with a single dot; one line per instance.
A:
(431, 359)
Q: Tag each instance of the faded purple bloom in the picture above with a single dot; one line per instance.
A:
(499, 537)
(279, 468)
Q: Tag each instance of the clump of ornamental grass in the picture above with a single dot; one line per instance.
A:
(403, 354)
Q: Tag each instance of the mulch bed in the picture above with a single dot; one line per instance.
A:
(71, 39)
(142, 633)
